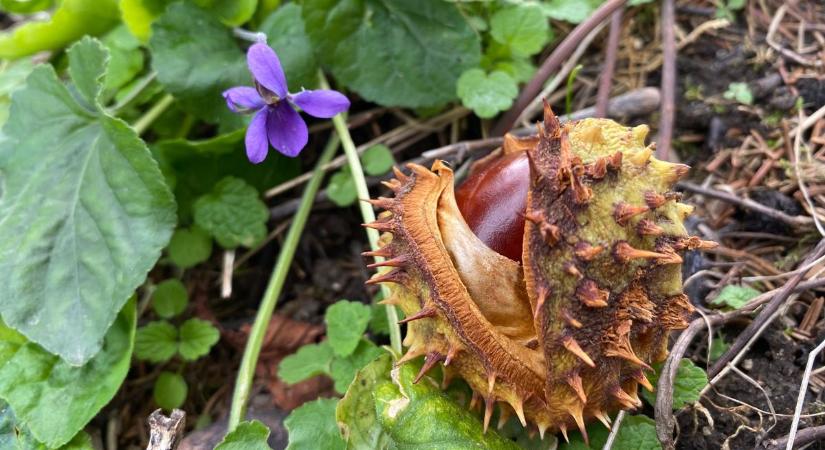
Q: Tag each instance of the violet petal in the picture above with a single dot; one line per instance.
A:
(266, 68)
(322, 103)
(286, 129)
(243, 97)
(256, 139)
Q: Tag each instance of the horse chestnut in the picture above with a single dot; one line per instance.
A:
(493, 200)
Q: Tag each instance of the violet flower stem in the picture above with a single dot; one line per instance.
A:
(145, 121)
(246, 372)
(367, 214)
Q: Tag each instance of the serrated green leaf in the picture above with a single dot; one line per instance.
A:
(346, 323)
(170, 390)
(637, 433)
(232, 213)
(312, 426)
(309, 361)
(56, 400)
(189, 247)
(287, 36)
(196, 338)
(522, 28)
(70, 21)
(85, 211)
(156, 342)
(377, 160)
(688, 384)
(197, 58)
(486, 94)
(573, 11)
(735, 296)
(394, 52)
(169, 298)
(342, 370)
(383, 412)
(246, 436)
(341, 188)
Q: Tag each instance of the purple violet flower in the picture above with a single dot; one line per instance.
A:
(276, 121)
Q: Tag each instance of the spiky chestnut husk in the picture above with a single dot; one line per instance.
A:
(567, 335)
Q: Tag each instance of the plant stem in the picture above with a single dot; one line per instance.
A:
(144, 121)
(246, 372)
(367, 214)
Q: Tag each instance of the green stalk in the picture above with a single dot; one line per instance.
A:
(246, 373)
(144, 121)
(367, 214)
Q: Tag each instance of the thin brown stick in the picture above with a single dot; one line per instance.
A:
(804, 437)
(552, 63)
(801, 222)
(668, 108)
(612, 50)
(769, 310)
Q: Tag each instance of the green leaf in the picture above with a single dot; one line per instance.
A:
(138, 15)
(69, 22)
(196, 59)
(520, 69)
(688, 384)
(287, 36)
(25, 6)
(637, 433)
(379, 323)
(383, 412)
(14, 435)
(346, 323)
(486, 94)
(394, 52)
(231, 12)
(12, 77)
(246, 436)
(343, 370)
(156, 342)
(740, 92)
(170, 390)
(573, 11)
(341, 188)
(377, 160)
(56, 400)
(309, 361)
(196, 338)
(312, 426)
(196, 167)
(233, 213)
(522, 27)
(169, 298)
(85, 211)
(735, 296)
(126, 58)
(189, 247)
